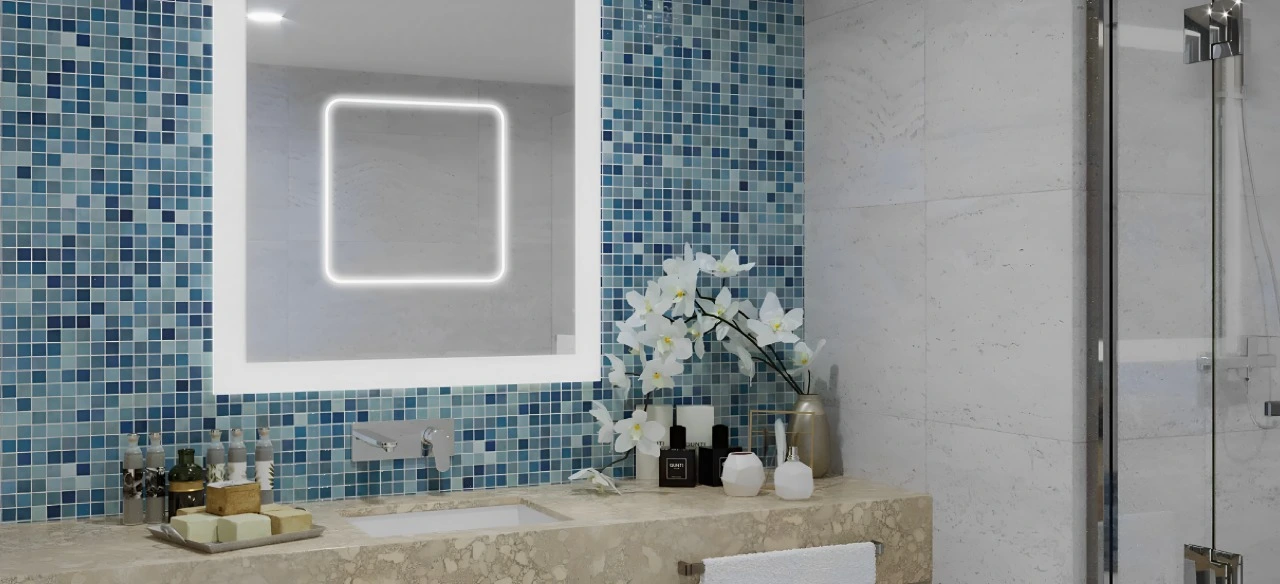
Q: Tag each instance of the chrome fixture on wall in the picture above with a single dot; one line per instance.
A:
(1213, 31)
(404, 439)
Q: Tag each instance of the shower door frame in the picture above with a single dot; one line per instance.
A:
(1100, 334)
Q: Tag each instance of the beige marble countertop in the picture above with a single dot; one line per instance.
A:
(32, 552)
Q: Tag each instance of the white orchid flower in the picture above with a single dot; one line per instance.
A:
(660, 373)
(652, 302)
(747, 309)
(723, 307)
(804, 355)
(746, 365)
(605, 419)
(618, 373)
(775, 325)
(667, 337)
(673, 266)
(724, 268)
(682, 288)
(640, 433)
(597, 478)
(698, 328)
(629, 338)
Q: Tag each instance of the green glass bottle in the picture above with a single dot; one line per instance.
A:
(186, 483)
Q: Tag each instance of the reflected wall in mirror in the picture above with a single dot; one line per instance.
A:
(420, 195)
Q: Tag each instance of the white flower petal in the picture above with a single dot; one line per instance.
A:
(624, 442)
(654, 431)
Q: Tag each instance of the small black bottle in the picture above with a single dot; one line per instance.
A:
(711, 460)
(677, 466)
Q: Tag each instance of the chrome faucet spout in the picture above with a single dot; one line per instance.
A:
(374, 439)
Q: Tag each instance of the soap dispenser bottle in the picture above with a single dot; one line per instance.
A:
(132, 482)
(215, 459)
(237, 458)
(186, 483)
(678, 466)
(264, 465)
(156, 490)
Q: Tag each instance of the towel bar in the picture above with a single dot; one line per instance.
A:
(698, 568)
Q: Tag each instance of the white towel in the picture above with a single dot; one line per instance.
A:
(854, 563)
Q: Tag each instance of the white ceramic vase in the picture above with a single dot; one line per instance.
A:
(743, 474)
(793, 480)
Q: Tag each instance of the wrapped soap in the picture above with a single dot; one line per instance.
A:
(196, 527)
(243, 527)
(288, 520)
(190, 511)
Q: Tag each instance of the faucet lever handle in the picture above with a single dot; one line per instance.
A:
(438, 444)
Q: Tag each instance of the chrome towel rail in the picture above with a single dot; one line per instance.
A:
(698, 568)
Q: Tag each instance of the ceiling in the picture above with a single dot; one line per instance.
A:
(524, 41)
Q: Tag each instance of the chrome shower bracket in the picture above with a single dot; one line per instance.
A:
(1213, 31)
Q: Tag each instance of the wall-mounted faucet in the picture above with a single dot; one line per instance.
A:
(397, 440)
(374, 439)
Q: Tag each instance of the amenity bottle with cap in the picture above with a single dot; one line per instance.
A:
(155, 480)
(793, 480)
(132, 482)
(186, 483)
(237, 458)
(264, 465)
(215, 459)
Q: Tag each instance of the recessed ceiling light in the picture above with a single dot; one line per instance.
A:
(265, 17)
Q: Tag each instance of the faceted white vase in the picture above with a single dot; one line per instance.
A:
(793, 480)
(743, 474)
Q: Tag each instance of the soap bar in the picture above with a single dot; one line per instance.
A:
(288, 520)
(190, 511)
(243, 527)
(197, 527)
(273, 507)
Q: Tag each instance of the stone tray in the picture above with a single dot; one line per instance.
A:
(166, 533)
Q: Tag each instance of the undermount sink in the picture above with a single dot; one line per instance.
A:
(446, 520)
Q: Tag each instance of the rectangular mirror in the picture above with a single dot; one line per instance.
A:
(406, 193)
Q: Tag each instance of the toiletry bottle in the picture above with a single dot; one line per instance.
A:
(132, 481)
(237, 458)
(711, 460)
(793, 480)
(215, 459)
(264, 465)
(678, 466)
(186, 483)
(154, 478)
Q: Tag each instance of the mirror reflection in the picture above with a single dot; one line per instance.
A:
(410, 180)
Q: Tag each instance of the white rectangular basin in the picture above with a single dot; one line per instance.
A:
(446, 520)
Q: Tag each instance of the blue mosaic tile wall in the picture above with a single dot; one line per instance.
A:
(105, 247)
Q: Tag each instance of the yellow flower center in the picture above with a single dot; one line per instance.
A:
(679, 293)
(666, 339)
(635, 428)
(657, 375)
(777, 326)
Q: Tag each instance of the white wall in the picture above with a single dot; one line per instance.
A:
(414, 193)
(945, 264)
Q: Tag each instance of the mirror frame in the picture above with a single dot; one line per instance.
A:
(234, 374)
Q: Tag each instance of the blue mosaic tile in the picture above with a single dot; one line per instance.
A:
(105, 248)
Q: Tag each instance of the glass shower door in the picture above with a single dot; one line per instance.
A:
(1196, 202)
(1246, 492)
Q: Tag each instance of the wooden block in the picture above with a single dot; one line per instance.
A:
(288, 520)
(224, 499)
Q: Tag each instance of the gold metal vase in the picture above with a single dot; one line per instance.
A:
(816, 451)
